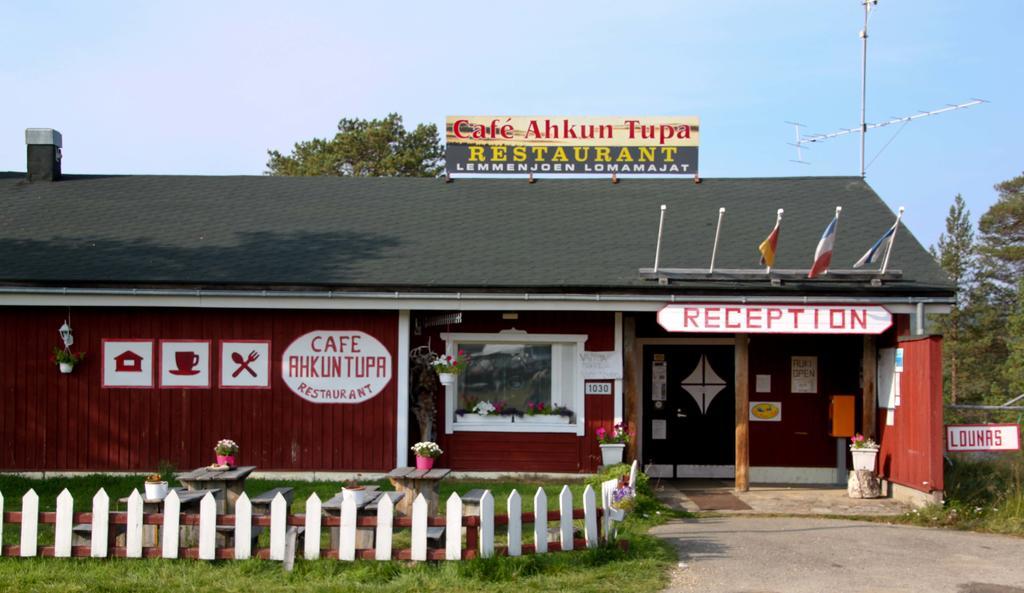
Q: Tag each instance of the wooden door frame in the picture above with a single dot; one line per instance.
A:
(638, 360)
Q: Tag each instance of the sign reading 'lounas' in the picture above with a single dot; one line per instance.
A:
(486, 144)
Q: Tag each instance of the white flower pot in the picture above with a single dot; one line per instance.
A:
(358, 495)
(544, 419)
(864, 458)
(156, 490)
(612, 454)
(66, 367)
(478, 419)
(447, 378)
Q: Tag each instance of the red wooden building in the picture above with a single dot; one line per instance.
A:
(282, 312)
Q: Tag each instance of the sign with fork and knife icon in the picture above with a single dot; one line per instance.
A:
(245, 364)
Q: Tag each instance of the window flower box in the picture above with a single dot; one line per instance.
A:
(544, 419)
(478, 419)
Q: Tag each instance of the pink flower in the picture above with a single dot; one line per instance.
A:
(601, 432)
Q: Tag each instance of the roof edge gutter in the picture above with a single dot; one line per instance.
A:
(393, 297)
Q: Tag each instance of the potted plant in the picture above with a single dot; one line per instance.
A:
(354, 490)
(612, 443)
(864, 451)
(66, 359)
(156, 487)
(623, 500)
(486, 412)
(448, 367)
(426, 452)
(226, 450)
(542, 413)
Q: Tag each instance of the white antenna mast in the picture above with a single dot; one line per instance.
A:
(802, 140)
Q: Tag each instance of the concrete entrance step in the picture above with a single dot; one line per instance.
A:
(692, 495)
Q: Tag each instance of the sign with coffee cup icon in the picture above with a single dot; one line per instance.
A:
(184, 364)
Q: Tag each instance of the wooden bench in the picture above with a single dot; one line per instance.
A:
(435, 537)
(81, 534)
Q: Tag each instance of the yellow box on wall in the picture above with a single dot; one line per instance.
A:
(842, 413)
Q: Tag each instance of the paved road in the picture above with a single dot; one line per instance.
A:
(798, 555)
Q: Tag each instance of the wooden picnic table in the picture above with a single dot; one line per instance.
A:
(412, 482)
(364, 535)
(228, 483)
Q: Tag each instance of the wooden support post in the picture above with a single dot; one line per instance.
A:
(631, 385)
(742, 419)
(870, 368)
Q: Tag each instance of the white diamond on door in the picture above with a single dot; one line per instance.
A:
(703, 384)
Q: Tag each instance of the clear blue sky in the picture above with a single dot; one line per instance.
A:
(208, 87)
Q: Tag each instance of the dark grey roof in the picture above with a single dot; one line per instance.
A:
(383, 233)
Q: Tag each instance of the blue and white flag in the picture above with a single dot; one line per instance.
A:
(872, 254)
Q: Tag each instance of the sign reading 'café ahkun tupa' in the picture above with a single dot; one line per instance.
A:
(663, 145)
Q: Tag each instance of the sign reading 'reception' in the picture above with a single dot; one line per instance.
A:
(982, 437)
(486, 144)
(775, 319)
(336, 367)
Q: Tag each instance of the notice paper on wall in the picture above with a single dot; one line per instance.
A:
(659, 381)
(804, 374)
(601, 365)
(763, 384)
(659, 429)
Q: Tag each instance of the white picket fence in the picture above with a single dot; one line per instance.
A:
(283, 527)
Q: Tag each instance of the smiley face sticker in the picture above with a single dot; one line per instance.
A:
(766, 412)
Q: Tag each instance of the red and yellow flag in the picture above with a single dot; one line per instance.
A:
(769, 246)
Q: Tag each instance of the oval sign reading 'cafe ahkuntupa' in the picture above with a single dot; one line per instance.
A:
(336, 366)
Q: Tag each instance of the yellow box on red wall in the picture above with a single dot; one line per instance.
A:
(842, 414)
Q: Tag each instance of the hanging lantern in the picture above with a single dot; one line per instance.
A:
(65, 335)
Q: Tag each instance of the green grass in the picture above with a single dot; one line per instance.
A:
(986, 495)
(642, 567)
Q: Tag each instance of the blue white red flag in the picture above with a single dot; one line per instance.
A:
(872, 254)
(823, 254)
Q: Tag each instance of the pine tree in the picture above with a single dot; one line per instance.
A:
(956, 255)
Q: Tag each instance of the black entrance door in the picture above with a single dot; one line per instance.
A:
(689, 411)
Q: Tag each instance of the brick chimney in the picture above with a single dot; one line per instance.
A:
(44, 146)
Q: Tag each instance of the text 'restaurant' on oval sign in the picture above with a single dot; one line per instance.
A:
(336, 366)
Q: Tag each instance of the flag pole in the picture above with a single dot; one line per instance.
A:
(888, 250)
(657, 250)
(714, 250)
(778, 221)
(838, 210)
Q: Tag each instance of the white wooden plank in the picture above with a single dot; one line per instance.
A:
(243, 527)
(278, 526)
(347, 534)
(133, 534)
(419, 528)
(1, 522)
(487, 525)
(385, 527)
(565, 517)
(515, 524)
(312, 538)
(590, 517)
(608, 526)
(99, 540)
(453, 528)
(632, 474)
(208, 527)
(172, 523)
(29, 523)
(62, 528)
(540, 522)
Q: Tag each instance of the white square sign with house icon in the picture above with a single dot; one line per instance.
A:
(185, 364)
(245, 364)
(128, 363)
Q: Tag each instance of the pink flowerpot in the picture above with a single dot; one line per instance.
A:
(228, 460)
(424, 462)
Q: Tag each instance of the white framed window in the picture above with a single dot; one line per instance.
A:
(535, 381)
